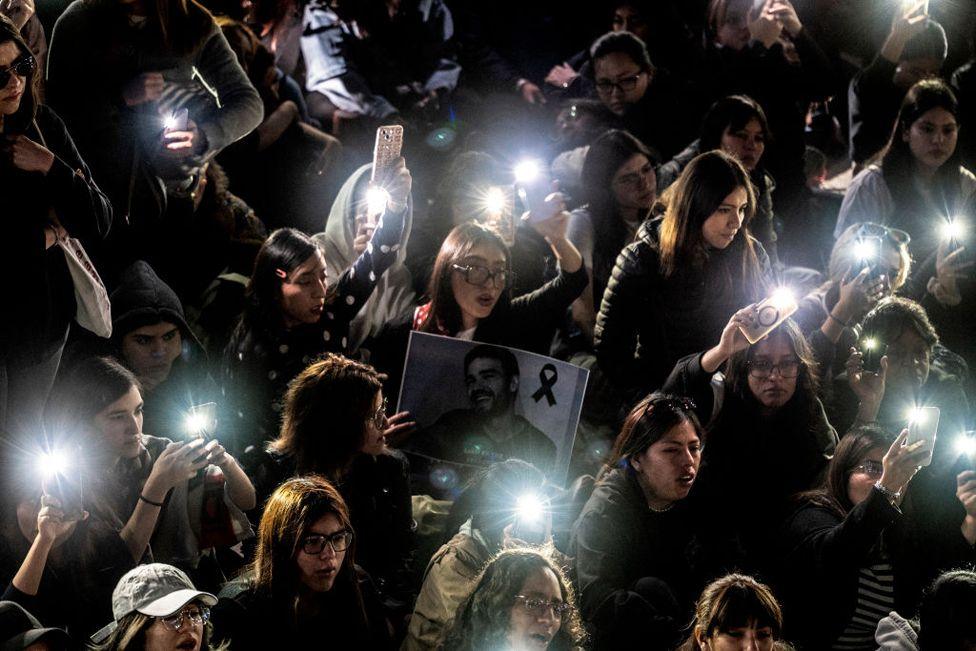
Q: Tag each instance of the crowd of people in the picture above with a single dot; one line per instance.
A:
(749, 220)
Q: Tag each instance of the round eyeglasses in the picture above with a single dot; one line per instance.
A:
(539, 607)
(196, 615)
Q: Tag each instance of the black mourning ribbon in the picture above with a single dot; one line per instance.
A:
(548, 377)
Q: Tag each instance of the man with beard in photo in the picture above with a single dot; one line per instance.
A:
(488, 431)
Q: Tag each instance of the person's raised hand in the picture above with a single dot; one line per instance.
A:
(901, 462)
(364, 233)
(178, 462)
(857, 295)
(397, 182)
(25, 154)
(909, 20)
(399, 428)
(764, 26)
(147, 87)
(966, 491)
(51, 520)
(553, 228)
(949, 267)
(869, 387)
(784, 12)
(18, 11)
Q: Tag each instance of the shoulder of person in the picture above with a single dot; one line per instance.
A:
(871, 176)
(612, 490)
(968, 180)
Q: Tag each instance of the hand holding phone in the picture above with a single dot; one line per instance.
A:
(386, 149)
(923, 425)
(201, 421)
(768, 314)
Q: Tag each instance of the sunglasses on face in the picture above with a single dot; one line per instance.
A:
(21, 67)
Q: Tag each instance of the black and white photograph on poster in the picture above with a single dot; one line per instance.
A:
(476, 403)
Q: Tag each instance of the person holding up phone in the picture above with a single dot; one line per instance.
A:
(673, 289)
(858, 548)
(769, 436)
(149, 487)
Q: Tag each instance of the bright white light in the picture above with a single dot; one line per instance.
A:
(953, 229)
(526, 171)
(529, 508)
(783, 296)
(865, 249)
(170, 122)
(916, 416)
(966, 445)
(196, 423)
(870, 343)
(494, 201)
(52, 463)
(376, 199)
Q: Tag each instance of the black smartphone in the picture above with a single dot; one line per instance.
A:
(872, 350)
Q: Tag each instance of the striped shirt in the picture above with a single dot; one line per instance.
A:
(875, 600)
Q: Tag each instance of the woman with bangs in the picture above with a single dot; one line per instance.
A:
(521, 602)
(736, 613)
(303, 589)
(868, 541)
(43, 175)
(470, 288)
(769, 436)
(672, 290)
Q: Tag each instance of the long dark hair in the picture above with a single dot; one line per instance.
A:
(733, 113)
(22, 119)
(605, 156)
(897, 161)
(444, 311)
(88, 388)
(284, 250)
(852, 450)
(696, 195)
(483, 620)
(807, 383)
(288, 515)
(647, 422)
(326, 410)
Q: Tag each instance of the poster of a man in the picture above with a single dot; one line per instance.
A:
(478, 403)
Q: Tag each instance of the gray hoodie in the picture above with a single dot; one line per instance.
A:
(895, 633)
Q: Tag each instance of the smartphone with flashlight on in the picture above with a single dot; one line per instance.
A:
(869, 250)
(386, 150)
(769, 313)
(872, 350)
(923, 425)
(498, 210)
(178, 121)
(532, 520)
(62, 479)
(201, 424)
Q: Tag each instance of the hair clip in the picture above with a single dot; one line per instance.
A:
(281, 274)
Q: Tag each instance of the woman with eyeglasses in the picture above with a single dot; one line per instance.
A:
(638, 542)
(858, 548)
(334, 424)
(522, 601)
(47, 192)
(672, 290)
(918, 185)
(303, 589)
(157, 608)
(768, 433)
(470, 288)
(294, 313)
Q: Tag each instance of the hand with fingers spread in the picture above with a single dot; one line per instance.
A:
(901, 462)
(949, 267)
(18, 11)
(906, 24)
(399, 428)
(966, 493)
(51, 521)
(867, 386)
(731, 341)
(147, 87)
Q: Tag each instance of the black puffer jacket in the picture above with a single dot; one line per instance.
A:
(648, 322)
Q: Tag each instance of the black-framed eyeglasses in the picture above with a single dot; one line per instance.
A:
(479, 276)
(379, 416)
(764, 369)
(313, 544)
(21, 67)
(539, 607)
(196, 614)
(625, 85)
(896, 235)
(871, 468)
